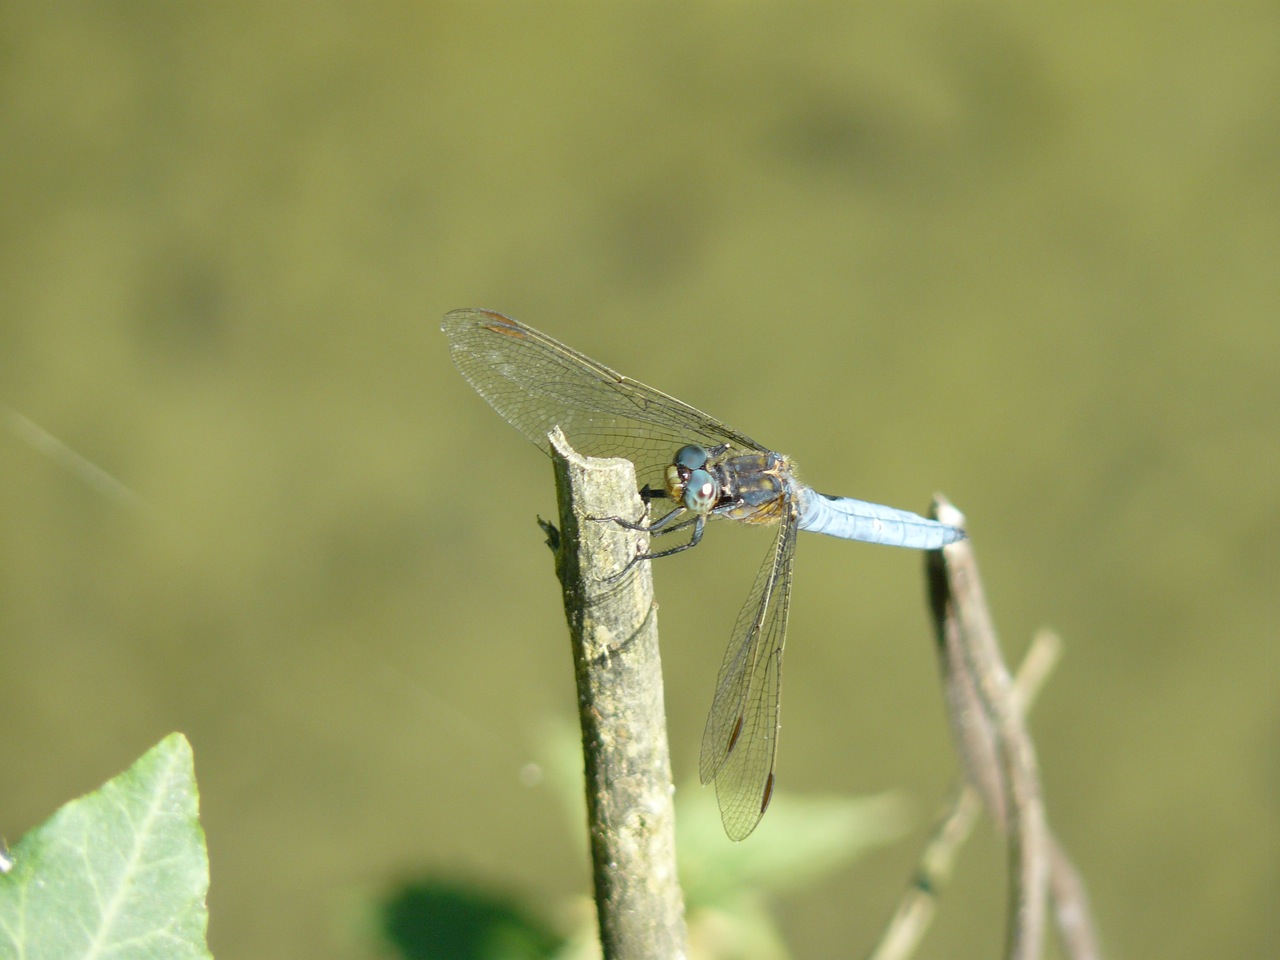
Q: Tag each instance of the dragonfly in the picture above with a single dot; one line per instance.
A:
(705, 470)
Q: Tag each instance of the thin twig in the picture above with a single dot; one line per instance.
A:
(613, 625)
(1020, 804)
(919, 903)
(987, 714)
(1067, 893)
(1076, 930)
(74, 463)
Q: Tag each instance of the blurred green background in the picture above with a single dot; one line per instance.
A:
(1028, 258)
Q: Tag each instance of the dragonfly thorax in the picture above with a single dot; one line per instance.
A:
(690, 482)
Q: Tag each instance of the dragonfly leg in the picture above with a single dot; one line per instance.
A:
(682, 525)
(699, 524)
(656, 527)
(622, 522)
(663, 523)
(647, 493)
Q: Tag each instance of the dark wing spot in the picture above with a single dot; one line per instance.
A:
(733, 738)
(502, 325)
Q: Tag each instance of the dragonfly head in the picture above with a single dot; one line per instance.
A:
(690, 482)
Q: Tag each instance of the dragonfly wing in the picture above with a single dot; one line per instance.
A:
(741, 736)
(537, 383)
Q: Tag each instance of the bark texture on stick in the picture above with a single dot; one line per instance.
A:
(613, 626)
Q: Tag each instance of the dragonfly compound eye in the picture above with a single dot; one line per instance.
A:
(701, 492)
(692, 456)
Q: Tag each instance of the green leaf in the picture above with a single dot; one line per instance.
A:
(121, 872)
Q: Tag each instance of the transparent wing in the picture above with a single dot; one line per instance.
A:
(741, 736)
(536, 383)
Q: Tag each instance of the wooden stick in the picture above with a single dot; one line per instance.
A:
(614, 630)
